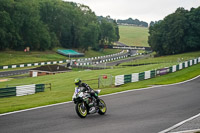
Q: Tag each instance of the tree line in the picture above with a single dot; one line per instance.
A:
(45, 24)
(177, 33)
(131, 21)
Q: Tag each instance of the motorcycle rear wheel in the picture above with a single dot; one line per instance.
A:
(102, 107)
(81, 109)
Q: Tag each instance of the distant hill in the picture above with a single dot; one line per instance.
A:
(134, 35)
(131, 21)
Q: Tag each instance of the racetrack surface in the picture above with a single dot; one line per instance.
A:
(142, 111)
(15, 72)
(114, 63)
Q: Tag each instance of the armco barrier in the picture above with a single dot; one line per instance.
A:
(21, 90)
(141, 76)
(127, 78)
(177, 67)
(7, 92)
(39, 88)
(135, 77)
(170, 69)
(25, 90)
(119, 80)
(147, 74)
(153, 73)
(33, 64)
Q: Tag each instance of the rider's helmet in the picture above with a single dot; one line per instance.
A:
(77, 81)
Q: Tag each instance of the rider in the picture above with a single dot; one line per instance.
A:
(85, 87)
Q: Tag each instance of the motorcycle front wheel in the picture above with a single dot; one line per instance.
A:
(102, 107)
(81, 109)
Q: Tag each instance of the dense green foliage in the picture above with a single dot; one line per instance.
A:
(177, 33)
(44, 24)
(131, 21)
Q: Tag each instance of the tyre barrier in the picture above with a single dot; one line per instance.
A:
(21, 90)
(135, 77)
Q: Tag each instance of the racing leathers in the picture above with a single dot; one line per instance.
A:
(85, 87)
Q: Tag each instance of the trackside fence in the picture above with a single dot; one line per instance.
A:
(135, 77)
(21, 90)
(79, 62)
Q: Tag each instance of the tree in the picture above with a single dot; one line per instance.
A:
(192, 39)
(5, 30)
(108, 33)
(58, 16)
(177, 33)
(152, 23)
(44, 24)
(116, 31)
(89, 36)
(135, 22)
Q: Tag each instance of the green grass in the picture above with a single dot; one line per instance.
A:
(92, 53)
(134, 36)
(165, 60)
(18, 57)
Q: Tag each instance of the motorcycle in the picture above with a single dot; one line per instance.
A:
(87, 104)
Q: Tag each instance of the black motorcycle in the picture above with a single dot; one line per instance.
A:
(87, 104)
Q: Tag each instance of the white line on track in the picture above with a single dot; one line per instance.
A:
(100, 96)
(179, 124)
(188, 131)
(34, 108)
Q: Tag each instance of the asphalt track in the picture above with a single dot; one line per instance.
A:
(15, 72)
(114, 63)
(148, 110)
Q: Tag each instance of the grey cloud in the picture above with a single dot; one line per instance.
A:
(145, 10)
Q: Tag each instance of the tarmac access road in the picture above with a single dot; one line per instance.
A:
(15, 72)
(149, 110)
(114, 63)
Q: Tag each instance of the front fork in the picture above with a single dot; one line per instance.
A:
(83, 106)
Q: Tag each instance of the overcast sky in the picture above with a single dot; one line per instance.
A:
(145, 10)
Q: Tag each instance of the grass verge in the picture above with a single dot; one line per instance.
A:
(165, 60)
